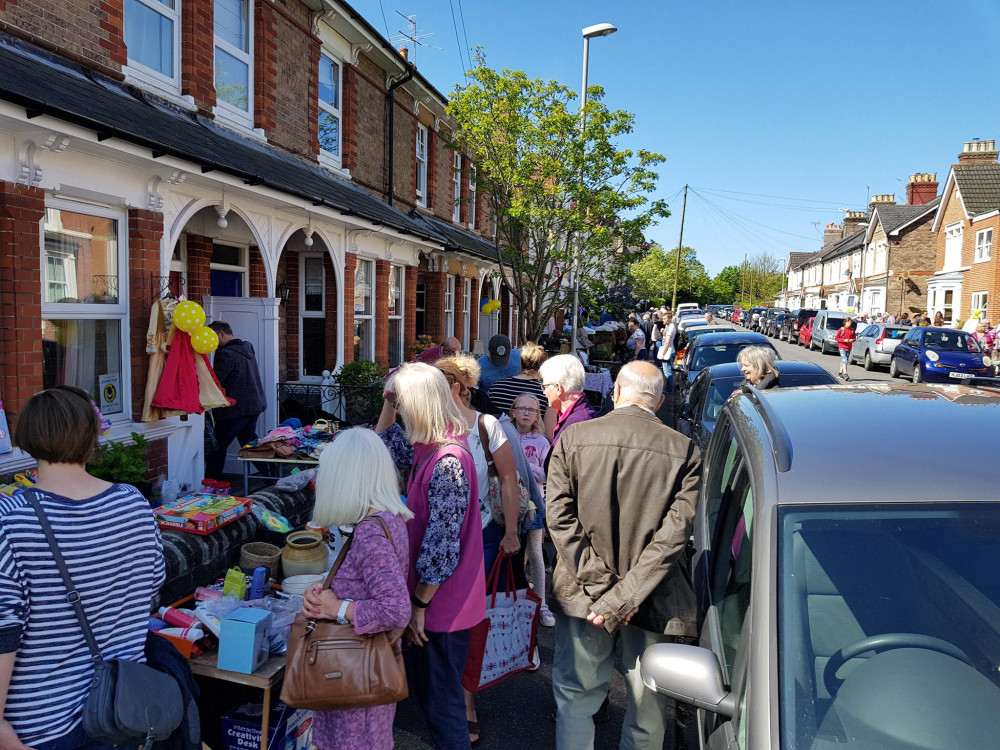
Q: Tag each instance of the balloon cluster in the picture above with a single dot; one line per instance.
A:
(489, 306)
(190, 318)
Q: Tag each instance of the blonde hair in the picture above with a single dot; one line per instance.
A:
(536, 426)
(532, 357)
(356, 477)
(460, 368)
(429, 412)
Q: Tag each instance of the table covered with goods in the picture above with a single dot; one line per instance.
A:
(288, 446)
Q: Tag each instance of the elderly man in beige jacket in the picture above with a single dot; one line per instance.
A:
(620, 503)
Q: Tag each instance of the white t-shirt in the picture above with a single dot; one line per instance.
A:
(494, 432)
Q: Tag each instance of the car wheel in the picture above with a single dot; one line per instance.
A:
(812, 345)
(915, 377)
(869, 365)
(893, 369)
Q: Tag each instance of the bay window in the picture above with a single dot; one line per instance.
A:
(329, 107)
(84, 303)
(396, 285)
(152, 36)
(234, 59)
(364, 309)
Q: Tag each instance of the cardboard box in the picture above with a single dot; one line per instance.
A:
(243, 640)
(288, 728)
(202, 514)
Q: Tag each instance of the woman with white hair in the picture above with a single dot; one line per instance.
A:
(563, 379)
(757, 365)
(356, 489)
(445, 573)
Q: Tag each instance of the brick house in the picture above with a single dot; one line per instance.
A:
(238, 152)
(967, 276)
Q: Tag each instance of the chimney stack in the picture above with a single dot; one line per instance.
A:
(921, 188)
(979, 151)
(854, 221)
(405, 52)
(832, 233)
(881, 200)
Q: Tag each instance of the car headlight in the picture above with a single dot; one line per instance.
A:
(933, 356)
(987, 360)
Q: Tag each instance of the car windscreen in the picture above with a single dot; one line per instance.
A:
(832, 324)
(950, 341)
(705, 356)
(888, 626)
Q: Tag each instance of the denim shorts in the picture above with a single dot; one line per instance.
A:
(845, 356)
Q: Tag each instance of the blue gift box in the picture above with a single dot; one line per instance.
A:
(243, 640)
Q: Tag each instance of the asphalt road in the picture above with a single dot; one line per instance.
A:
(830, 362)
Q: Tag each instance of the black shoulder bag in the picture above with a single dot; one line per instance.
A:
(129, 703)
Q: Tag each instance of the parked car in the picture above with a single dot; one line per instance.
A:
(686, 306)
(876, 343)
(714, 385)
(824, 331)
(766, 320)
(774, 324)
(939, 355)
(805, 332)
(714, 349)
(754, 316)
(859, 611)
(791, 325)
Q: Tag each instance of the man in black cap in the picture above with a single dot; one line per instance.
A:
(500, 361)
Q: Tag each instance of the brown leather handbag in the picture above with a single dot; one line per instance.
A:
(328, 666)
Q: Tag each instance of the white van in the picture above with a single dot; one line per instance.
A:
(686, 306)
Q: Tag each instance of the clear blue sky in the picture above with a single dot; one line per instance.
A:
(822, 102)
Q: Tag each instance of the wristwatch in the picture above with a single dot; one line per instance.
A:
(342, 614)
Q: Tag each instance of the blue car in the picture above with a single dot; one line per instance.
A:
(939, 355)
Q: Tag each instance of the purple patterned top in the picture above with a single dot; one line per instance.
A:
(447, 500)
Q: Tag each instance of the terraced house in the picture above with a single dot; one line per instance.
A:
(278, 161)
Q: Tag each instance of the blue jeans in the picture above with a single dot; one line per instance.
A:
(668, 375)
(435, 672)
(76, 740)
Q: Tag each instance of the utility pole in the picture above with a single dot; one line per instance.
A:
(680, 245)
(743, 276)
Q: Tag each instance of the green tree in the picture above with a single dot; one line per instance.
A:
(558, 198)
(653, 276)
(726, 285)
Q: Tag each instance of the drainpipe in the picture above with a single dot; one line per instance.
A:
(391, 99)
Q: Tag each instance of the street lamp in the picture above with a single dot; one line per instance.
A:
(598, 29)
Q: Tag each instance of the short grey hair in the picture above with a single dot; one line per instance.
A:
(565, 370)
(760, 359)
(640, 383)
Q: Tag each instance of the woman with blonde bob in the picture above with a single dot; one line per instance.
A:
(445, 570)
(356, 485)
(757, 365)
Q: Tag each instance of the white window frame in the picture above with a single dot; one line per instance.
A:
(953, 247)
(224, 109)
(78, 311)
(979, 303)
(155, 78)
(456, 189)
(303, 313)
(984, 246)
(243, 268)
(449, 306)
(371, 293)
(328, 158)
(422, 140)
(179, 265)
(473, 174)
(400, 312)
(466, 314)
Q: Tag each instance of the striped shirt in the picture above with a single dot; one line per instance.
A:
(504, 393)
(113, 551)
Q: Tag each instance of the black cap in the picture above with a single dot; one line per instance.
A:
(499, 350)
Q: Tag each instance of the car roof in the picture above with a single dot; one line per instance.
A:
(791, 367)
(733, 337)
(924, 442)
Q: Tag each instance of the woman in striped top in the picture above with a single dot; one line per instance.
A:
(108, 537)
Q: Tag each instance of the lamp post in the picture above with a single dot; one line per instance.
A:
(600, 29)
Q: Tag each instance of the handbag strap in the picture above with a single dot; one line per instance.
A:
(347, 546)
(72, 596)
(484, 440)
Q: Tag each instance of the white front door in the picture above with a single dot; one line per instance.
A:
(253, 319)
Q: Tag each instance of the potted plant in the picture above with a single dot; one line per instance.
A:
(124, 463)
(361, 384)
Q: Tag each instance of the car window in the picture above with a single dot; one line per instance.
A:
(833, 323)
(719, 354)
(732, 549)
(723, 462)
(870, 331)
(895, 333)
(719, 392)
(697, 395)
(950, 341)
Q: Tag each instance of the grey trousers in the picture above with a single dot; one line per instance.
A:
(581, 672)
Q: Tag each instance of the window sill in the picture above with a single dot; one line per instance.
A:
(983, 260)
(225, 117)
(333, 164)
(163, 89)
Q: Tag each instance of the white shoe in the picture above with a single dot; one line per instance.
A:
(536, 661)
(545, 617)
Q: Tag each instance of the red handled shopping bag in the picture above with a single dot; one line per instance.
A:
(502, 644)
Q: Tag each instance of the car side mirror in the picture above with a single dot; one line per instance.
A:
(687, 673)
(677, 368)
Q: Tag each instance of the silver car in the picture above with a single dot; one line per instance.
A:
(824, 331)
(862, 611)
(875, 344)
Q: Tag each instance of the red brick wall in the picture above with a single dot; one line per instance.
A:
(198, 53)
(442, 169)
(21, 209)
(145, 230)
(199, 260)
(350, 265)
(265, 64)
(435, 284)
(981, 276)
(381, 294)
(410, 311)
(156, 459)
(87, 31)
(258, 276)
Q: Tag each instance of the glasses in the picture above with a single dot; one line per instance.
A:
(550, 385)
(526, 410)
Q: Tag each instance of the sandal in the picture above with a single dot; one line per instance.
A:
(474, 730)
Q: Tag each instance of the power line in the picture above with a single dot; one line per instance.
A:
(458, 41)
(777, 197)
(765, 226)
(465, 35)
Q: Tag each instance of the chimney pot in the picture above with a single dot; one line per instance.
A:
(405, 52)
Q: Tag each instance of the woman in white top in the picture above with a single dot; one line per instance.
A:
(667, 352)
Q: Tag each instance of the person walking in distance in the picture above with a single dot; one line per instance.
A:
(845, 340)
(620, 505)
(236, 368)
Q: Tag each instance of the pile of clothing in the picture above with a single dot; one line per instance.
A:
(291, 440)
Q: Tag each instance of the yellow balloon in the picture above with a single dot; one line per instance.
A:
(204, 340)
(189, 316)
